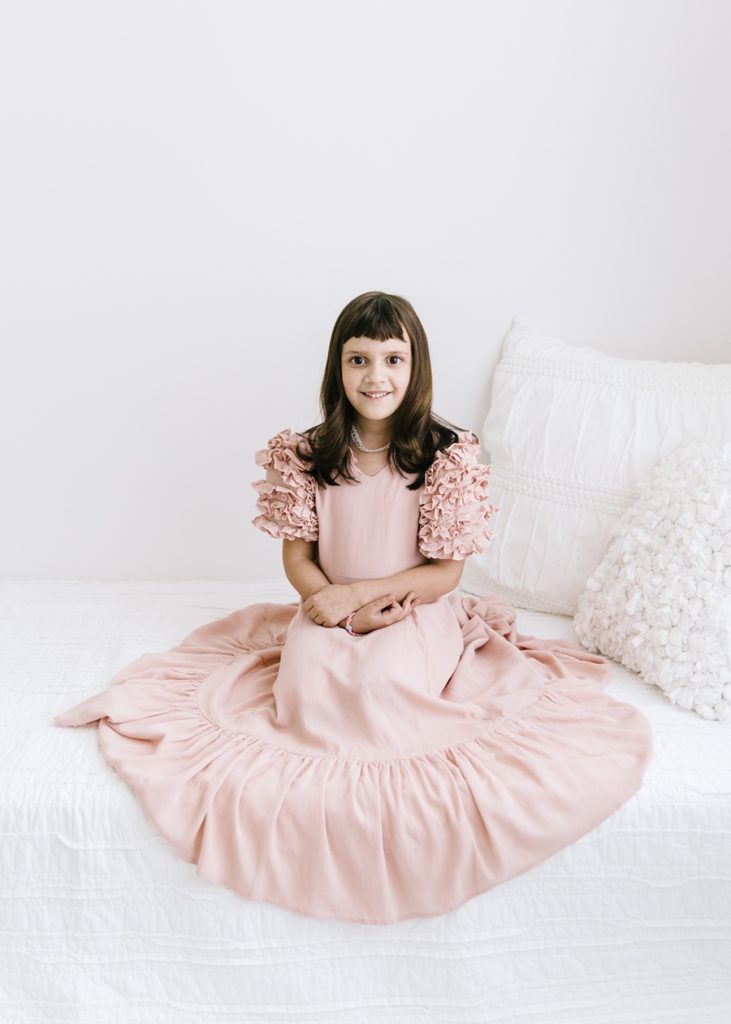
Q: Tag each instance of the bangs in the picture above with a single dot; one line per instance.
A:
(378, 321)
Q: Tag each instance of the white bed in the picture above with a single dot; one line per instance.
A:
(102, 921)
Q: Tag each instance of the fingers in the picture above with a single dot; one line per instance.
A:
(390, 599)
(400, 611)
(387, 610)
(390, 605)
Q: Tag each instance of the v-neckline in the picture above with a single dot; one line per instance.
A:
(356, 467)
(371, 475)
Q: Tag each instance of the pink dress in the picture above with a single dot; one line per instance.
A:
(389, 776)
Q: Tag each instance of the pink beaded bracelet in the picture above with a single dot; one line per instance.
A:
(349, 627)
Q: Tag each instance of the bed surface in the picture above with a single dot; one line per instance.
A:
(101, 921)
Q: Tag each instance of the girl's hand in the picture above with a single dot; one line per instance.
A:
(330, 604)
(384, 611)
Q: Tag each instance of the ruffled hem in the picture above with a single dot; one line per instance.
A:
(453, 508)
(368, 841)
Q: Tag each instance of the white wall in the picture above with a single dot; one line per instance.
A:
(193, 190)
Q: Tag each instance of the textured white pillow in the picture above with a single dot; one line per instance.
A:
(659, 601)
(570, 433)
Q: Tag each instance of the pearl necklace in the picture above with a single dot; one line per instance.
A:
(355, 437)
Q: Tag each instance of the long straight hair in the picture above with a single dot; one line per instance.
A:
(416, 435)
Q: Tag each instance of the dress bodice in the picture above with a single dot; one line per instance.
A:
(369, 528)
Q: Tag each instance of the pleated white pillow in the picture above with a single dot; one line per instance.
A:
(570, 433)
(659, 602)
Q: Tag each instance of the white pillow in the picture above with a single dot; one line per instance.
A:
(659, 602)
(570, 433)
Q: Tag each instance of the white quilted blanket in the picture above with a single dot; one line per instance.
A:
(100, 921)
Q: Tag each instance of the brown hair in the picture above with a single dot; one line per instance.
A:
(417, 434)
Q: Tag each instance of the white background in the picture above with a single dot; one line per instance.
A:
(191, 192)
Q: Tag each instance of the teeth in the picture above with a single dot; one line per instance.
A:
(376, 394)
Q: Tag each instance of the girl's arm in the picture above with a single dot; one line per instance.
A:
(303, 572)
(300, 567)
(428, 582)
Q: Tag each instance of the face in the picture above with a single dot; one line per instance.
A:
(375, 366)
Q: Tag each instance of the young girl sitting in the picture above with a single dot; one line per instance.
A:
(387, 747)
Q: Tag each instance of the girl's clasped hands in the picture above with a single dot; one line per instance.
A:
(332, 603)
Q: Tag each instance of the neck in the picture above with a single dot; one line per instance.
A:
(373, 438)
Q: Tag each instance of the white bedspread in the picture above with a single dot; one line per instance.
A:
(101, 921)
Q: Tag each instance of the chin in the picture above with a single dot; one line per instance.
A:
(376, 414)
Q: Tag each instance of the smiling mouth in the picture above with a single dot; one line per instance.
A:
(376, 394)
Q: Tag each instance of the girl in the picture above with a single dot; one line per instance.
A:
(385, 748)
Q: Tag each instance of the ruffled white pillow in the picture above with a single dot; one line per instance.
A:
(659, 602)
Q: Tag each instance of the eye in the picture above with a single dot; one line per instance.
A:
(400, 359)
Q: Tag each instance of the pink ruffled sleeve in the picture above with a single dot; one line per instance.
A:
(454, 509)
(286, 497)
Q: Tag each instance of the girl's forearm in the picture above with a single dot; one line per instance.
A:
(305, 576)
(428, 582)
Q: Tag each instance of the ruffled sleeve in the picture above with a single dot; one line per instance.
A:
(453, 507)
(286, 497)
